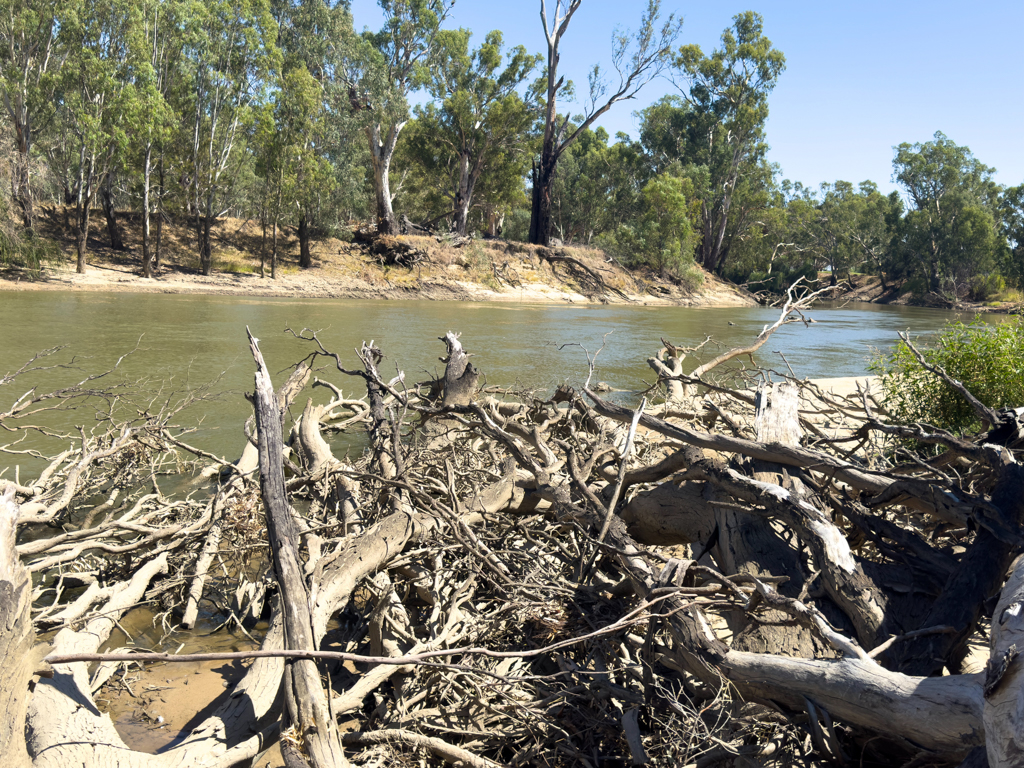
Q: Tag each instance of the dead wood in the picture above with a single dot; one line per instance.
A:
(307, 704)
(589, 281)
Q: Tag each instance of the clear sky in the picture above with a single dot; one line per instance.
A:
(861, 77)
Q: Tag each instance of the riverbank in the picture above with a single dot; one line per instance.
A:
(868, 288)
(438, 269)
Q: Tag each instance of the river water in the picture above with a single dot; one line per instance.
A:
(186, 340)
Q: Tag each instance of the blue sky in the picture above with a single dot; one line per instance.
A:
(860, 77)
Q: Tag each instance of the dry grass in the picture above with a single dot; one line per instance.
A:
(454, 268)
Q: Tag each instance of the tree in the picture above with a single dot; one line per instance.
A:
(97, 101)
(384, 68)
(314, 35)
(662, 235)
(1011, 208)
(636, 61)
(230, 49)
(951, 225)
(157, 75)
(285, 160)
(597, 187)
(28, 59)
(480, 123)
(727, 93)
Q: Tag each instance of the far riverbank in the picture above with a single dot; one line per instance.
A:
(434, 268)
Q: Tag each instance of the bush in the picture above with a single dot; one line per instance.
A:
(25, 250)
(987, 359)
(987, 287)
(778, 282)
(517, 226)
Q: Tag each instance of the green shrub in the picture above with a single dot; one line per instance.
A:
(27, 250)
(988, 359)
(987, 287)
(782, 276)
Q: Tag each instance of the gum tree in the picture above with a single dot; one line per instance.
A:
(727, 93)
(952, 198)
(480, 123)
(230, 50)
(383, 69)
(97, 102)
(637, 60)
(28, 58)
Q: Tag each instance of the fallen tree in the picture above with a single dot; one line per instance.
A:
(731, 577)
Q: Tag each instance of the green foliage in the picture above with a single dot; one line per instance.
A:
(783, 276)
(1011, 210)
(26, 250)
(471, 147)
(724, 125)
(950, 234)
(917, 286)
(988, 359)
(987, 287)
(662, 238)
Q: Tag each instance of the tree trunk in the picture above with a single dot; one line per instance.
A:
(159, 215)
(81, 235)
(107, 200)
(540, 212)
(263, 247)
(381, 153)
(21, 189)
(147, 256)
(203, 225)
(273, 254)
(463, 193)
(305, 257)
(460, 377)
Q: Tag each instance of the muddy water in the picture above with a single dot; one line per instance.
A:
(185, 341)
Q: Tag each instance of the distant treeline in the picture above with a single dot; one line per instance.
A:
(280, 112)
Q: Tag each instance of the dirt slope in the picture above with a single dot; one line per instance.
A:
(478, 270)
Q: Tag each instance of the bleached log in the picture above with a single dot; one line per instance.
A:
(16, 637)
(306, 701)
(1003, 714)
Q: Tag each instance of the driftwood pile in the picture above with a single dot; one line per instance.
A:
(729, 577)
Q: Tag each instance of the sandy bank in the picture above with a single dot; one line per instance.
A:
(319, 284)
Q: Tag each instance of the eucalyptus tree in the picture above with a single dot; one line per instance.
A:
(875, 218)
(636, 60)
(285, 159)
(29, 56)
(951, 225)
(597, 187)
(727, 94)
(1011, 208)
(662, 235)
(158, 74)
(97, 102)
(383, 68)
(317, 37)
(480, 122)
(230, 50)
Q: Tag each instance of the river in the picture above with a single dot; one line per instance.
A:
(187, 340)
